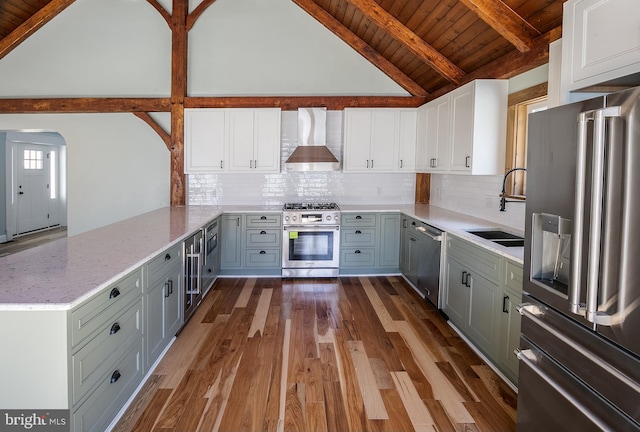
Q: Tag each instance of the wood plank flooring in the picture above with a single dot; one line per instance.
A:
(29, 241)
(345, 354)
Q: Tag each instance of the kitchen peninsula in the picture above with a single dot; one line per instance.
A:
(47, 294)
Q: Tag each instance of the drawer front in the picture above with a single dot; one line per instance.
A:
(267, 220)
(257, 238)
(513, 276)
(164, 263)
(95, 414)
(364, 257)
(98, 311)
(98, 357)
(358, 219)
(475, 258)
(355, 237)
(263, 258)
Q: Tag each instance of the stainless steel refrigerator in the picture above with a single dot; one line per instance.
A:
(580, 344)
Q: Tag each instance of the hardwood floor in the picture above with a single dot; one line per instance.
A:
(29, 241)
(345, 354)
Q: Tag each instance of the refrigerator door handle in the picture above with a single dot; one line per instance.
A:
(578, 216)
(595, 232)
(529, 358)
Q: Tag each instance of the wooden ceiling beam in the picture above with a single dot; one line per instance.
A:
(511, 64)
(505, 21)
(387, 22)
(166, 137)
(290, 103)
(31, 25)
(351, 39)
(195, 14)
(84, 105)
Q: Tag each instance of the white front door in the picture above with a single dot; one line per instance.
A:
(33, 187)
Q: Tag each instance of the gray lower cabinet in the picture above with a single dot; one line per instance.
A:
(251, 244)
(481, 291)
(369, 243)
(163, 302)
(510, 320)
(231, 226)
(107, 351)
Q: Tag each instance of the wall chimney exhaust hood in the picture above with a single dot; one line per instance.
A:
(312, 153)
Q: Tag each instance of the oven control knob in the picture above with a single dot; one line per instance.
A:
(295, 218)
(286, 218)
(328, 217)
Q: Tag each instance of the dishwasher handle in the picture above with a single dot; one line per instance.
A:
(434, 233)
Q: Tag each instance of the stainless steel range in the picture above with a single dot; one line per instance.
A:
(311, 240)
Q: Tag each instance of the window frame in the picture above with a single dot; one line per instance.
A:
(516, 154)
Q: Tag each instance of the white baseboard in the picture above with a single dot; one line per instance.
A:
(3, 238)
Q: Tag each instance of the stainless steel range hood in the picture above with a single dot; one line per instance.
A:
(312, 153)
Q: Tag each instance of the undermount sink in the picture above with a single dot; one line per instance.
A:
(500, 237)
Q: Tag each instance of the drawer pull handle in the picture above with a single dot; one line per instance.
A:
(358, 251)
(358, 232)
(263, 232)
(263, 218)
(262, 252)
(464, 275)
(115, 376)
(114, 293)
(504, 304)
(358, 217)
(115, 328)
(167, 257)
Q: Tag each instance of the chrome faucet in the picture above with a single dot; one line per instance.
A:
(503, 199)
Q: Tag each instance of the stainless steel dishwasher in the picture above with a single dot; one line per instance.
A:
(429, 247)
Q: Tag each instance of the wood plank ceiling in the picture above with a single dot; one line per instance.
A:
(429, 47)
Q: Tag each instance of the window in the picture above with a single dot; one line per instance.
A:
(521, 104)
(33, 160)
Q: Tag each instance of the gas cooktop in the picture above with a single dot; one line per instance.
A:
(310, 206)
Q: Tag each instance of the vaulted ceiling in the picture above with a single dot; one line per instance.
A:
(428, 47)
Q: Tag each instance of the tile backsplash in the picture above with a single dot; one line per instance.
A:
(476, 196)
(278, 188)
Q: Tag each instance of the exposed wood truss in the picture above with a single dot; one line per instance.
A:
(427, 47)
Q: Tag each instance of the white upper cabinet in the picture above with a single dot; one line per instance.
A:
(600, 41)
(379, 139)
(205, 140)
(464, 131)
(407, 144)
(232, 140)
(434, 137)
(254, 139)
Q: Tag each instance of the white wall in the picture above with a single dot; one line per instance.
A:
(117, 166)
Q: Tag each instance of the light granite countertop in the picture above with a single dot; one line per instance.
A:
(61, 274)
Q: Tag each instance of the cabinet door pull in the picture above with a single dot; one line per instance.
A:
(114, 293)
(262, 252)
(358, 251)
(504, 304)
(464, 276)
(263, 218)
(467, 162)
(250, 163)
(263, 232)
(167, 293)
(220, 163)
(371, 163)
(358, 232)
(115, 376)
(367, 163)
(400, 163)
(358, 217)
(467, 283)
(170, 286)
(115, 328)
(167, 257)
